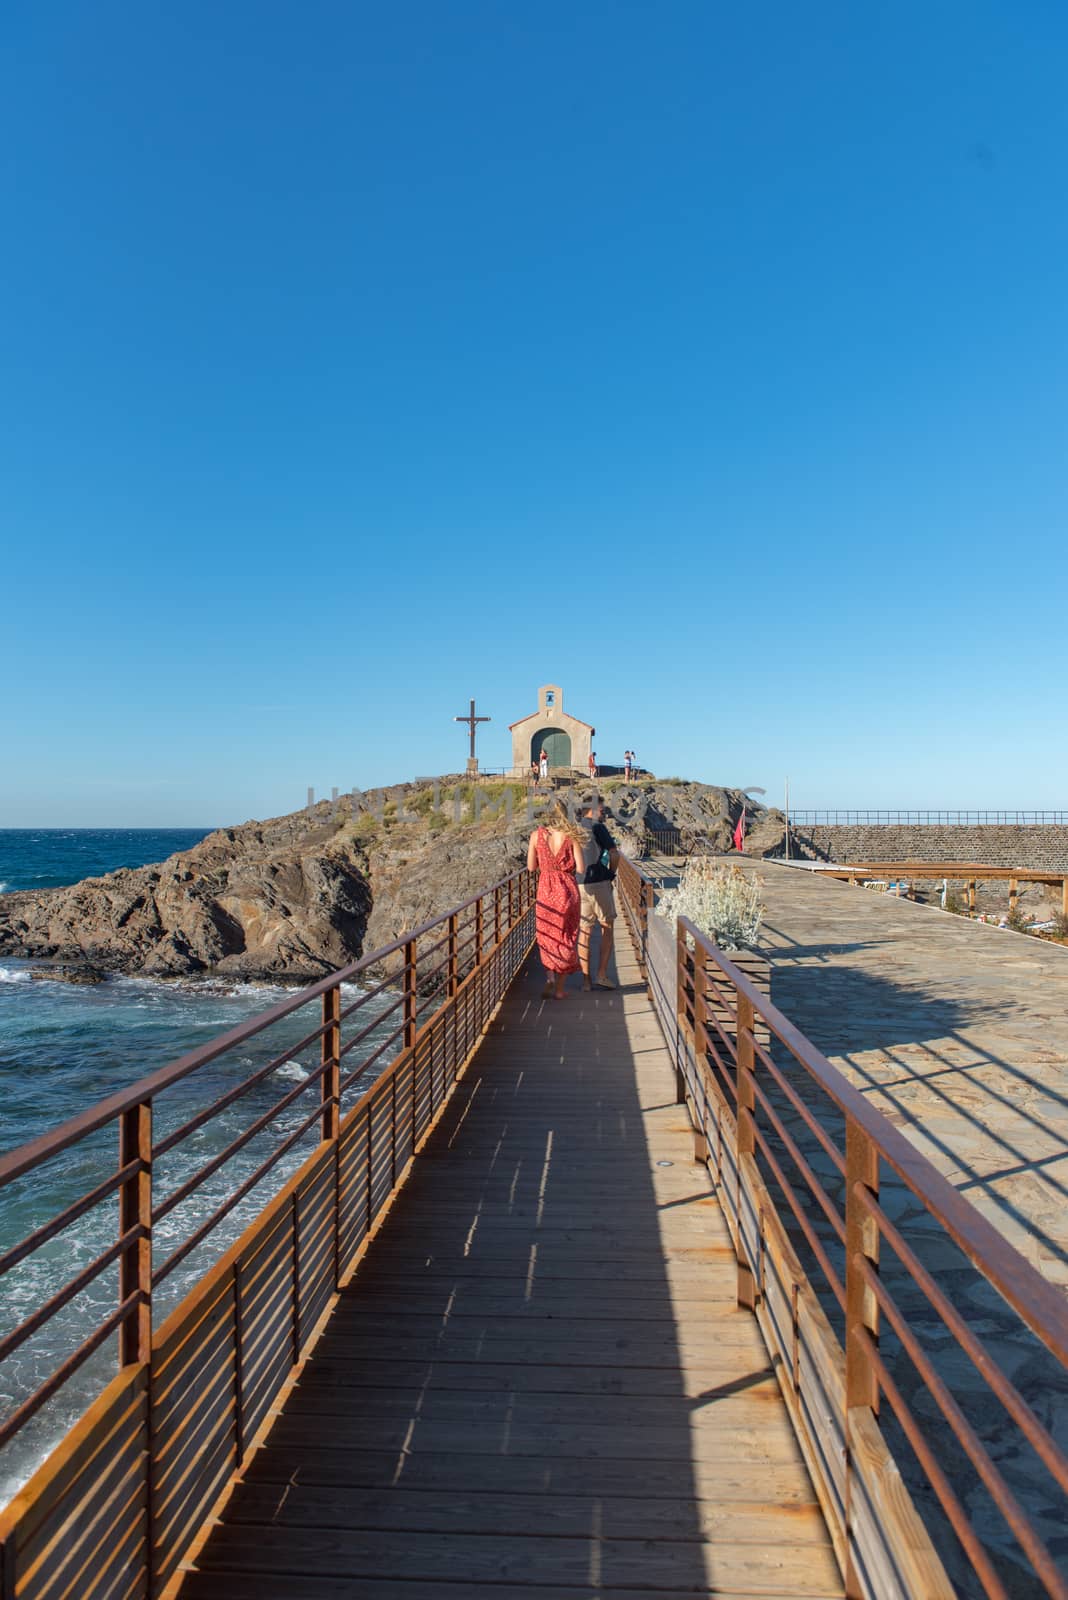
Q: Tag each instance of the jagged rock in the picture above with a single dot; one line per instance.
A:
(80, 974)
(299, 896)
(287, 898)
(703, 814)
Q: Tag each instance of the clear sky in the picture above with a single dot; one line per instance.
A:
(710, 360)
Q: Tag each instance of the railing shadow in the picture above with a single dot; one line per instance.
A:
(916, 1057)
(1001, 1482)
(913, 1055)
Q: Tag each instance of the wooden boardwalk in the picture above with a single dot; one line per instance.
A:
(539, 1379)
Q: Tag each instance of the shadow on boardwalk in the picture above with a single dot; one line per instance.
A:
(539, 1378)
(995, 1126)
(951, 1031)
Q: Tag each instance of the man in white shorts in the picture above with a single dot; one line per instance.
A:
(595, 894)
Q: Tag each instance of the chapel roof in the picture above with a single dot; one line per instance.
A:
(565, 716)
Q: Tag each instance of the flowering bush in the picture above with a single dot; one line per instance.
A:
(724, 902)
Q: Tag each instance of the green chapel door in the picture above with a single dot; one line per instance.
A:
(556, 744)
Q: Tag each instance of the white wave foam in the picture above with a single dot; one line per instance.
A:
(270, 993)
(14, 975)
(291, 1069)
(230, 988)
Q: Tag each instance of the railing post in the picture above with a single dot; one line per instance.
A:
(746, 1106)
(861, 1311)
(497, 914)
(861, 1241)
(680, 1009)
(135, 1212)
(411, 998)
(478, 931)
(329, 1125)
(645, 907)
(294, 1315)
(330, 1082)
(239, 1365)
(700, 1050)
(452, 973)
(511, 903)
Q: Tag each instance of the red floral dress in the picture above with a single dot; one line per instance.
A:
(557, 910)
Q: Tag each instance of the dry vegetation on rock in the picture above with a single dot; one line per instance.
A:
(298, 896)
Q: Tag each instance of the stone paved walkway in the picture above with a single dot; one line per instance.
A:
(957, 1031)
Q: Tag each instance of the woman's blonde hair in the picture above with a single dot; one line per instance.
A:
(557, 819)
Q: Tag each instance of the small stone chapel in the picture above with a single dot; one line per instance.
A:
(566, 740)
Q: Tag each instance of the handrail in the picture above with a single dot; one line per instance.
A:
(31, 1154)
(795, 1198)
(956, 871)
(399, 1079)
(927, 819)
(1040, 1305)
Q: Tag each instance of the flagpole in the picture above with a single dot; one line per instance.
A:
(787, 819)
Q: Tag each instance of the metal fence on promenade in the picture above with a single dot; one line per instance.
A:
(897, 1315)
(928, 819)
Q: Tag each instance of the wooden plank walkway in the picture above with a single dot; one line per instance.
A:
(539, 1380)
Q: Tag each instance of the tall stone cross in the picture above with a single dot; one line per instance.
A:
(472, 720)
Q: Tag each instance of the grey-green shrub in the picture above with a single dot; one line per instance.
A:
(724, 902)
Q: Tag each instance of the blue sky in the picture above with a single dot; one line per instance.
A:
(710, 360)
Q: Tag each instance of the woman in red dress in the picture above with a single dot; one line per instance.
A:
(555, 852)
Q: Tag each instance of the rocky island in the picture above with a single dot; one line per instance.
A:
(298, 896)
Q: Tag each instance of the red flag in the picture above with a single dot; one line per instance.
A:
(739, 833)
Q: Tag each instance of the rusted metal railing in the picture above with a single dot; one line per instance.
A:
(115, 1505)
(833, 1211)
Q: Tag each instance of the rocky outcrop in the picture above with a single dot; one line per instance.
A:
(287, 898)
(703, 815)
(301, 895)
(80, 974)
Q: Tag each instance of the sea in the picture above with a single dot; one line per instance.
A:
(63, 1048)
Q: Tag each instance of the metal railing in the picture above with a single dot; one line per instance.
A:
(662, 841)
(139, 1471)
(637, 893)
(924, 819)
(822, 1195)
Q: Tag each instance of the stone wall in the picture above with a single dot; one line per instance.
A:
(1044, 848)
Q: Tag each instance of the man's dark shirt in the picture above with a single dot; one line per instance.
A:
(598, 873)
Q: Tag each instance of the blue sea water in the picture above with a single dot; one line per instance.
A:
(48, 858)
(63, 1048)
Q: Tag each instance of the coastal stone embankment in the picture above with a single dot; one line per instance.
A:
(1043, 848)
(298, 896)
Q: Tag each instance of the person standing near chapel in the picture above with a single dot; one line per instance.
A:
(597, 904)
